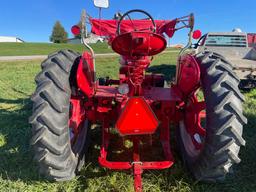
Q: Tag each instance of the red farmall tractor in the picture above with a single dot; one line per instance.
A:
(138, 107)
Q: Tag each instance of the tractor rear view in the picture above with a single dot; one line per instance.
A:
(137, 107)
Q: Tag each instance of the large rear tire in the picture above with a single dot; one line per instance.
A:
(59, 159)
(213, 156)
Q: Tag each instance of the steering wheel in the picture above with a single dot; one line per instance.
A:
(127, 14)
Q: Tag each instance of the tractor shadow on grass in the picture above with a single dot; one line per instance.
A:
(114, 180)
(16, 159)
(92, 173)
(167, 180)
(16, 162)
(166, 69)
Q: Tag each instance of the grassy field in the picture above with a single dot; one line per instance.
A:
(18, 172)
(21, 49)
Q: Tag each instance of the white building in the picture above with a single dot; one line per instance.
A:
(91, 39)
(5, 39)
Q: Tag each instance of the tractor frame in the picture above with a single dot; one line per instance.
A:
(106, 104)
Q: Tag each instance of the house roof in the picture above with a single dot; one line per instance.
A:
(11, 37)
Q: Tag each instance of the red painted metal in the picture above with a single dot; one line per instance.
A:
(188, 77)
(162, 101)
(108, 27)
(86, 74)
(76, 30)
(168, 28)
(132, 72)
(146, 108)
(150, 94)
(137, 118)
(197, 34)
(251, 39)
(77, 116)
(136, 164)
(139, 44)
(194, 113)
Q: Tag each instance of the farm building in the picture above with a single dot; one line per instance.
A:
(90, 39)
(4, 39)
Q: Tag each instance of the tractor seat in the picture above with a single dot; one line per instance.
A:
(138, 43)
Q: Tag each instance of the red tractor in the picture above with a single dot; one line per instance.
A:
(138, 107)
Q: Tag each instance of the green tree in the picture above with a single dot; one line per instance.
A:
(59, 35)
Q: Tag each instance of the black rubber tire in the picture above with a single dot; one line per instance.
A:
(247, 84)
(224, 121)
(57, 159)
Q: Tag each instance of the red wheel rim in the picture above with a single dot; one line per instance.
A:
(192, 130)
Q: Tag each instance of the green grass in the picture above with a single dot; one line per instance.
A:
(18, 172)
(21, 49)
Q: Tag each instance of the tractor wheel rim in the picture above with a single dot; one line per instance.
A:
(188, 144)
(193, 135)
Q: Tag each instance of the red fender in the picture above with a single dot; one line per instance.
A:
(188, 78)
(85, 74)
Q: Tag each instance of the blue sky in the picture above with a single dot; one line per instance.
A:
(32, 20)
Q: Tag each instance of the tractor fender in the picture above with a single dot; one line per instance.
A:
(85, 74)
(188, 76)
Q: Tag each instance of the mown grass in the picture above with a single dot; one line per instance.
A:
(21, 49)
(18, 172)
